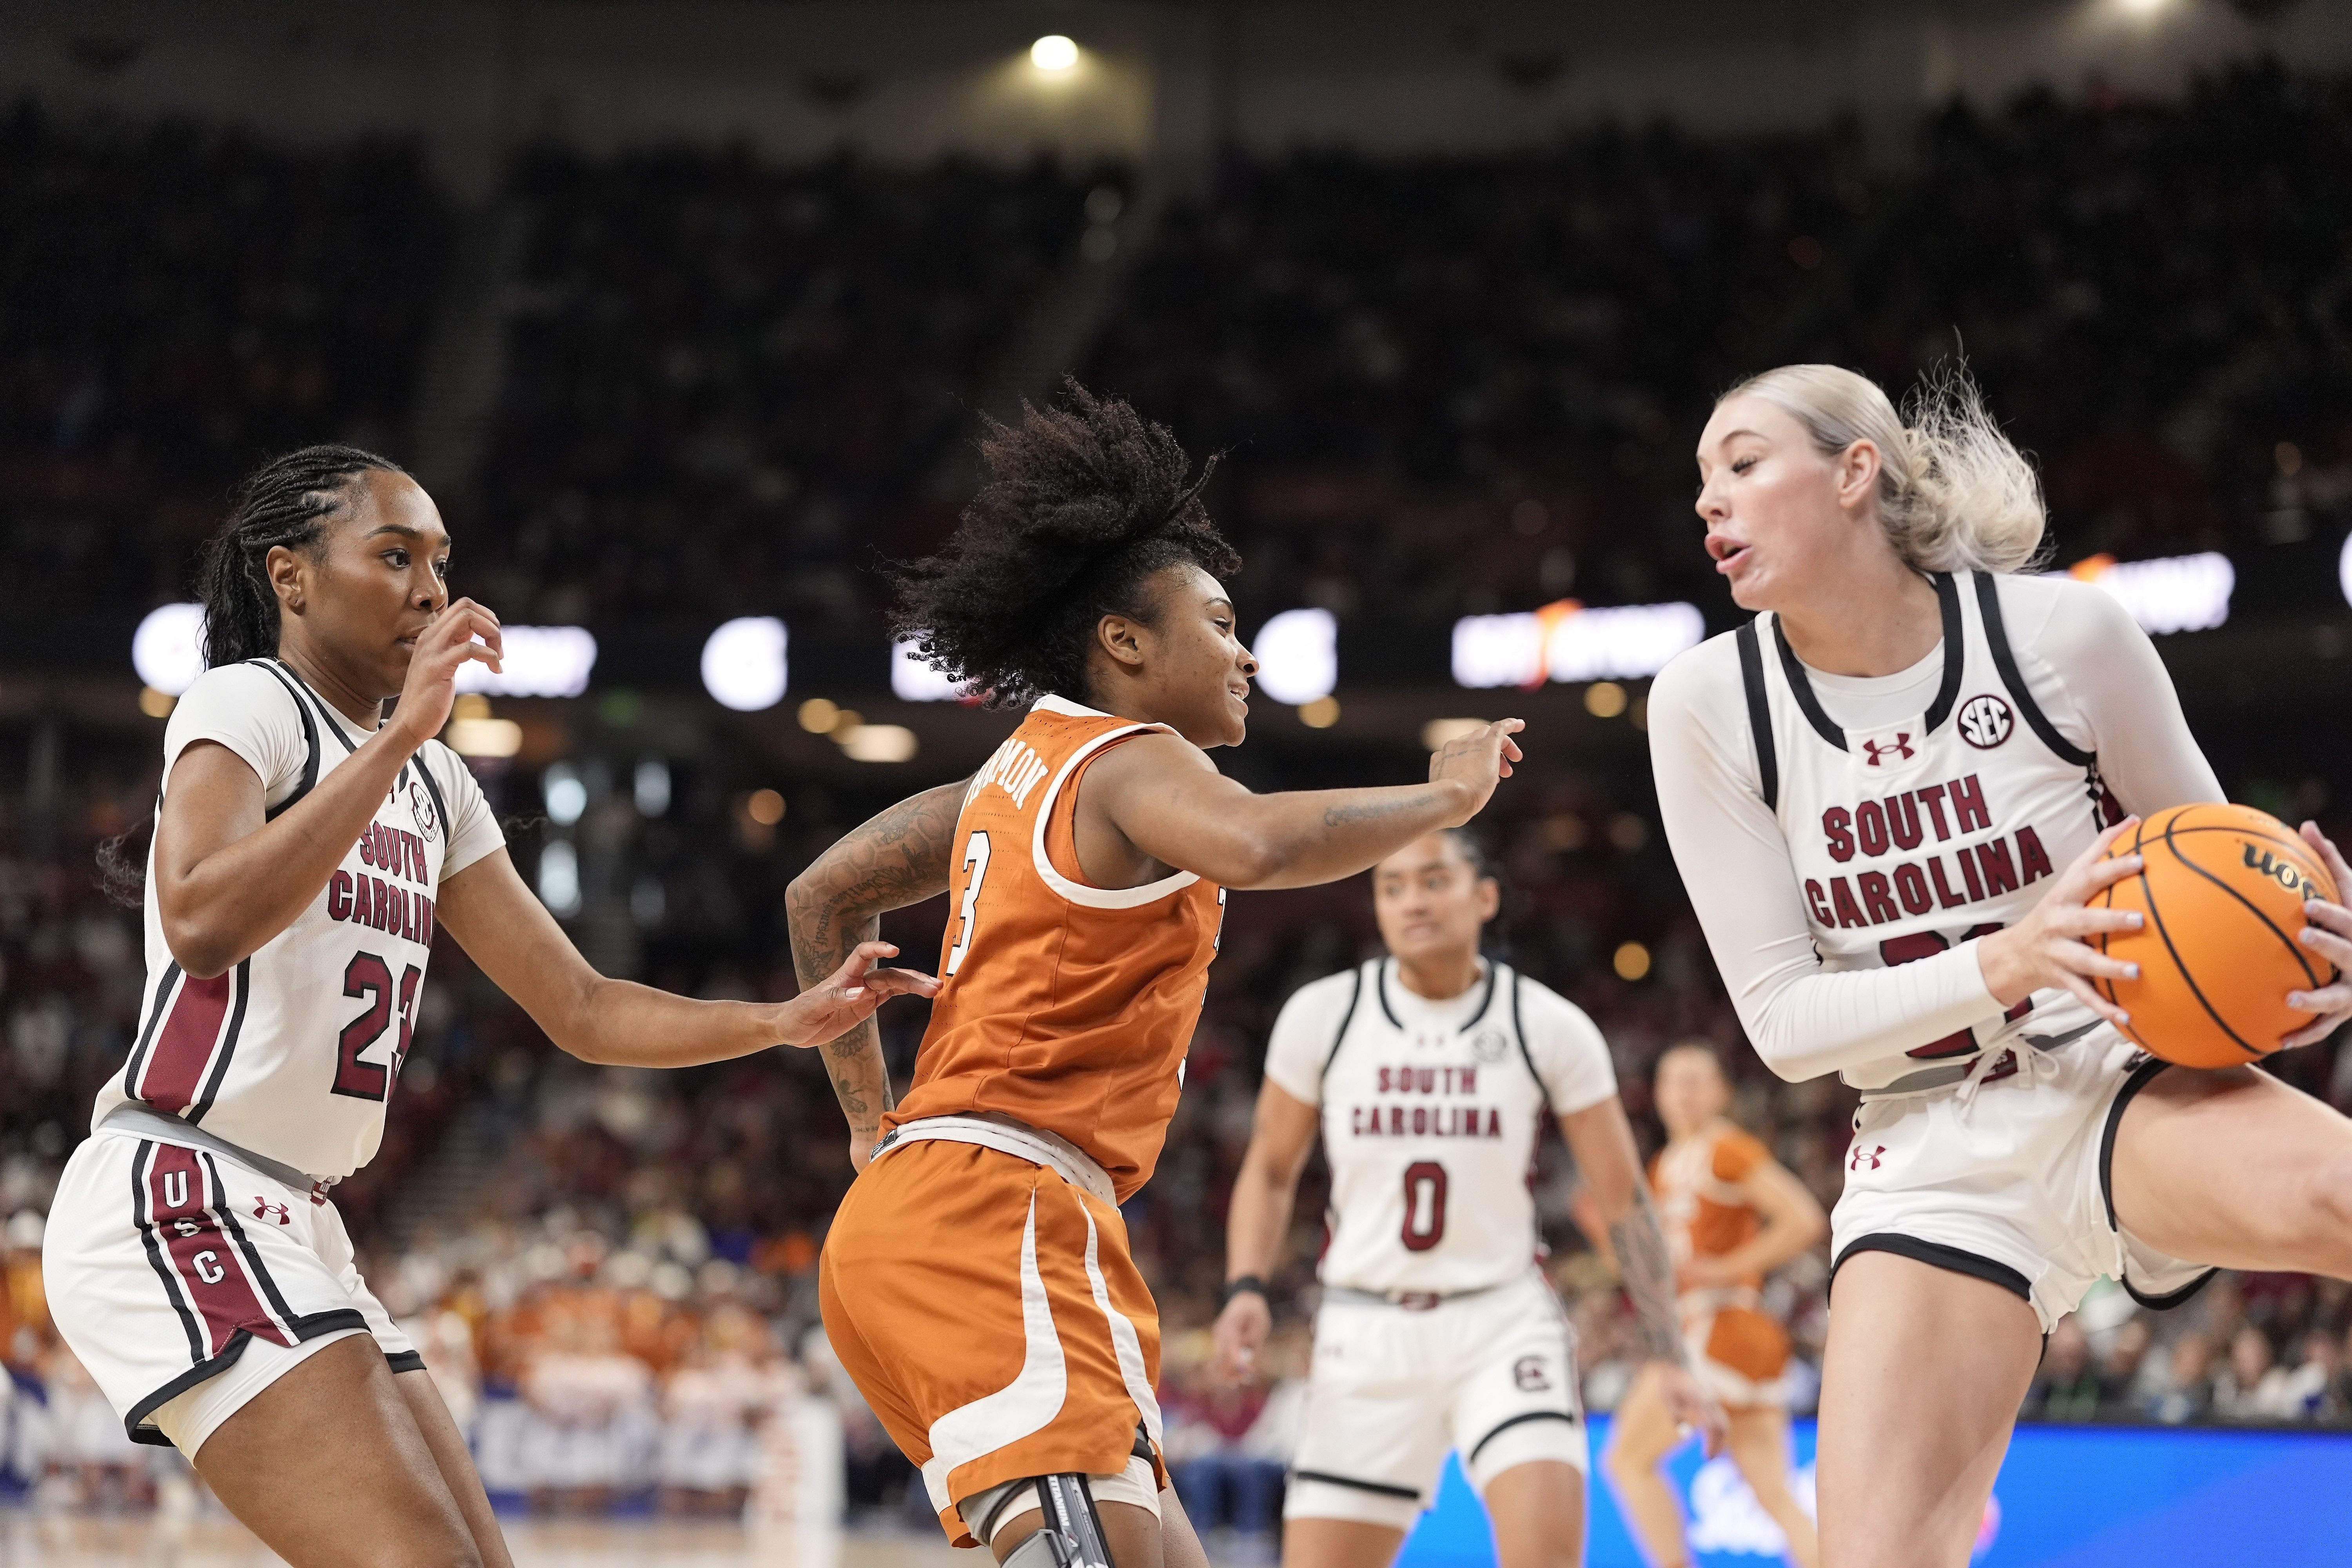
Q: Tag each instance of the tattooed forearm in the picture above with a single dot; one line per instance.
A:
(899, 857)
(1648, 1273)
(1373, 811)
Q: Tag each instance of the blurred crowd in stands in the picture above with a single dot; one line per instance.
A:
(176, 301)
(1443, 386)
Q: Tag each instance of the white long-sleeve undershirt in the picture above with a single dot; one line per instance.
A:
(2089, 668)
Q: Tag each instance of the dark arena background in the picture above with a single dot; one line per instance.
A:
(687, 315)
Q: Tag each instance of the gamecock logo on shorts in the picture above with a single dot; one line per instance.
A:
(1985, 722)
(1531, 1373)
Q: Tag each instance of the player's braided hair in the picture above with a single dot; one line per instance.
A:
(285, 501)
(1081, 504)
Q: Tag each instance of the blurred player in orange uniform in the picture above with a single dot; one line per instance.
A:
(1732, 1215)
(976, 1282)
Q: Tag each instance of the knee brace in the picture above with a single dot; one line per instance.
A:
(1071, 1535)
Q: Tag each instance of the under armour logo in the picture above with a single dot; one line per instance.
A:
(1854, 1161)
(263, 1208)
(1878, 753)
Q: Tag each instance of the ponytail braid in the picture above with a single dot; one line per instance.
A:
(285, 501)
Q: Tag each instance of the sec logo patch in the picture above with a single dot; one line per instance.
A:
(1985, 722)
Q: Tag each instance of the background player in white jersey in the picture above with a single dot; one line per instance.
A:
(306, 849)
(1429, 1075)
(1886, 795)
(1732, 1215)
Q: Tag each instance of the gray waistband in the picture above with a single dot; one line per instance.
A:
(1348, 1295)
(992, 1130)
(1946, 1074)
(146, 1123)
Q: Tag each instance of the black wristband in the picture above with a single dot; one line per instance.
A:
(1247, 1282)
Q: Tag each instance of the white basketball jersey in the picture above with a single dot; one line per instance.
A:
(1923, 833)
(293, 1053)
(1431, 1114)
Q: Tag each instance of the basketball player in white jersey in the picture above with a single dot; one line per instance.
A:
(1887, 792)
(306, 850)
(1429, 1075)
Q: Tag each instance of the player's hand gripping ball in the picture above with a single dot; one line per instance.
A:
(2223, 893)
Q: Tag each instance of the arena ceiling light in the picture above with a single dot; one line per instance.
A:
(878, 744)
(913, 680)
(2169, 593)
(168, 649)
(1566, 642)
(743, 664)
(540, 661)
(1298, 657)
(1054, 53)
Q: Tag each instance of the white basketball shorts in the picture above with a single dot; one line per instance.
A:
(187, 1283)
(2012, 1185)
(1492, 1375)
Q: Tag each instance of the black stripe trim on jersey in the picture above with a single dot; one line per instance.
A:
(140, 1163)
(405, 1361)
(1759, 712)
(1382, 1488)
(1955, 649)
(245, 1245)
(1380, 990)
(1520, 1033)
(334, 724)
(1801, 688)
(242, 986)
(1948, 690)
(1936, 1254)
(1520, 1419)
(310, 739)
(1355, 994)
(1380, 984)
(2004, 659)
(130, 1069)
(134, 1424)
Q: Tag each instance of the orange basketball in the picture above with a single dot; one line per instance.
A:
(2223, 888)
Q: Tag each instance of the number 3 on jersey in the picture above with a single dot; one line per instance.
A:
(975, 864)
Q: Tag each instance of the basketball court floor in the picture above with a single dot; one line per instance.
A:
(62, 1542)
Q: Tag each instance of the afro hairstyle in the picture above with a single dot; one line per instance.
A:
(1080, 505)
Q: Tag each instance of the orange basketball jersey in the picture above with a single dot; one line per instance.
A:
(1065, 1007)
(1698, 1180)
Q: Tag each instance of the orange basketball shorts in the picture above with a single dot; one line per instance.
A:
(988, 1312)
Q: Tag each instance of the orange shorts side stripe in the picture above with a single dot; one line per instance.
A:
(991, 1314)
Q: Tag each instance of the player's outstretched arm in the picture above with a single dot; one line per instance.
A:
(227, 880)
(1601, 1141)
(1169, 800)
(897, 858)
(617, 1022)
(1258, 1218)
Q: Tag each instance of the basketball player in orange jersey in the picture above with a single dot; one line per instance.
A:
(1733, 1214)
(1888, 793)
(307, 849)
(976, 1282)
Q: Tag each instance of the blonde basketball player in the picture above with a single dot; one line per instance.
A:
(1429, 1075)
(976, 1282)
(1733, 1214)
(306, 850)
(1887, 793)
